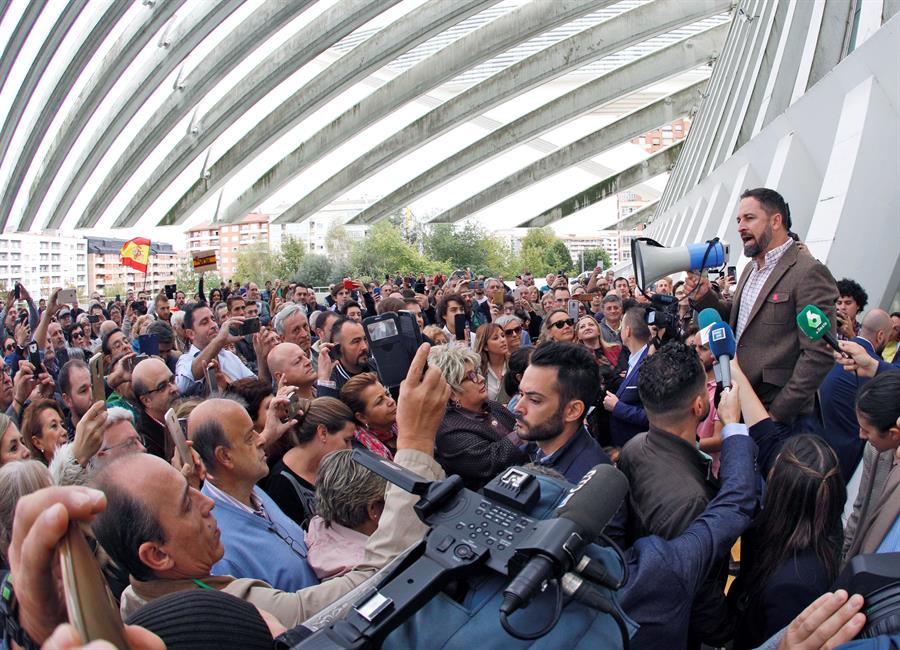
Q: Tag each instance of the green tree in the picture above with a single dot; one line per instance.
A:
(469, 246)
(256, 263)
(543, 252)
(316, 270)
(588, 259)
(290, 257)
(384, 251)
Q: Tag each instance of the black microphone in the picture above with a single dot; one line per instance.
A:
(557, 544)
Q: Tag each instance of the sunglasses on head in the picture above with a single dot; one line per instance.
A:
(562, 323)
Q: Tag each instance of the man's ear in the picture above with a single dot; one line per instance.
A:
(573, 411)
(155, 557)
(222, 455)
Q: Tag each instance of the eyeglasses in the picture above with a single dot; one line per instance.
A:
(515, 331)
(131, 443)
(562, 323)
(295, 545)
(475, 376)
(169, 382)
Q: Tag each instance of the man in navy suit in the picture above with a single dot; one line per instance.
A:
(627, 416)
(837, 394)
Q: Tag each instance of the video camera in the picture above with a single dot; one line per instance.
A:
(471, 533)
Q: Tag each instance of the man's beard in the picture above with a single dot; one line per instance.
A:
(546, 430)
(758, 244)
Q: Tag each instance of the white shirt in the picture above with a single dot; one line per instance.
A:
(229, 363)
(755, 282)
(633, 359)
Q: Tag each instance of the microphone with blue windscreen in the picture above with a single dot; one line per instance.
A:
(723, 348)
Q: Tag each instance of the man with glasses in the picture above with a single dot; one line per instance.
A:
(260, 540)
(155, 391)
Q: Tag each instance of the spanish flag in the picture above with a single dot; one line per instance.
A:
(136, 253)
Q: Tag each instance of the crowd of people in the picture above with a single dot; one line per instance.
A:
(275, 386)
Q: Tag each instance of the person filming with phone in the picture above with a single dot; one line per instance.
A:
(208, 343)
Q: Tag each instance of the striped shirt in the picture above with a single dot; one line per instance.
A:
(755, 282)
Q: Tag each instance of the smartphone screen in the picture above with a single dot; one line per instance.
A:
(89, 603)
(498, 297)
(249, 326)
(459, 324)
(393, 339)
(732, 271)
(34, 357)
(572, 308)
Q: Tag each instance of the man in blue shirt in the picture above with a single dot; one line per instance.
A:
(557, 390)
(260, 540)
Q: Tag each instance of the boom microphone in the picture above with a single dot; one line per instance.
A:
(557, 544)
(816, 325)
(721, 344)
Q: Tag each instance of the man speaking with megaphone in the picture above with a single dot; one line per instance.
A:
(781, 279)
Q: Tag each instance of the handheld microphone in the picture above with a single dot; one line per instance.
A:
(816, 325)
(721, 344)
(707, 317)
(557, 544)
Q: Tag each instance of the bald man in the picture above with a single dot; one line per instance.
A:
(232, 452)
(837, 394)
(290, 366)
(154, 390)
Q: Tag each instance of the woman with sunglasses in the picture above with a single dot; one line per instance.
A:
(477, 438)
(558, 327)
(491, 345)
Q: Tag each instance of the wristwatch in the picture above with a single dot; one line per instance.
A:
(9, 612)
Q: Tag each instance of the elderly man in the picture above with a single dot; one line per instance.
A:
(290, 366)
(260, 540)
(291, 325)
(207, 344)
(154, 389)
(512, 330)
(113, 436)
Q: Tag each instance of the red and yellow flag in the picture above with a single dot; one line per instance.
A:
(136, 253)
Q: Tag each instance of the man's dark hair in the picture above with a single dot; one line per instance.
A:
(123, 540)
(636, 319)
(189, 314)
(104, 341)
(444, 303)
(322, 321)
(877, 400)
(339, 325)
(65, 374)
(206, 437)
(895, 314)
(577, 372)
(772, 202)
(848, 288)
(407, 293)
(163, 331)
(348, 305)
(233, 298)
(669, 379)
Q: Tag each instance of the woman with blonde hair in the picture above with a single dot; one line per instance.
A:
(16, 481)
(324, 425)
(43, 429)
(557, 326)
(491, 346)
(12, 445)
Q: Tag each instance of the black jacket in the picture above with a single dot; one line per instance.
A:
(475, 446)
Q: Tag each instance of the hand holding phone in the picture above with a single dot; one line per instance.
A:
(89, 603)
(459, 324)
(98, 390)
(177, 434)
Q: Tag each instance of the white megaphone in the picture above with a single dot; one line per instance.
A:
(652, 260)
